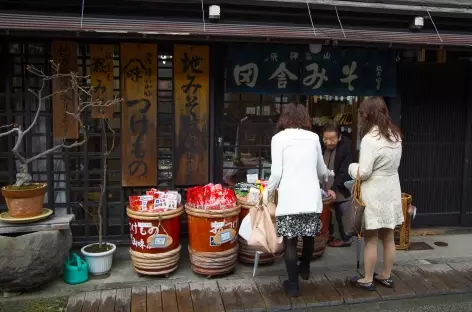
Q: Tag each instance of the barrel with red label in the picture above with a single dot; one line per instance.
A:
(213, 239)
(245, 207)
(321, 239)
(155, 240)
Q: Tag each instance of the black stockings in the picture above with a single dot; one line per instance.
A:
(291, 257)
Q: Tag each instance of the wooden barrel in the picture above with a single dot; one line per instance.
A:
(245, 207)
(321, 239)
(213, 240)
(402, 232)
(247, 254)
(155, 240)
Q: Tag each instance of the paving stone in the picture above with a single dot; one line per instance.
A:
(350, 293)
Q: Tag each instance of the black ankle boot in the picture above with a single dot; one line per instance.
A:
(292, 288)
(304, 271)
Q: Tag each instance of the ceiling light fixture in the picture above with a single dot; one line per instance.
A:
(214, 12)
(418, 22)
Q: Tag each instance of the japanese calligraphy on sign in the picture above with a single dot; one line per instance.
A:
(191, 92)
(283, 69)
(101, 75)
(139, 114)
(64, 53)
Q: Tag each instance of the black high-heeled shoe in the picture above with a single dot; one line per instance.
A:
(387, 282)
(367, 286)
(291, 288)
(304, 272)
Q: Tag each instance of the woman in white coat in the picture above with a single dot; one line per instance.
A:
(380, 155)
(297, 165)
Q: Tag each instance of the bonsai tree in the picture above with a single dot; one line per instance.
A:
(80, 88)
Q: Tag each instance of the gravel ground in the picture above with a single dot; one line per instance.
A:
(39, 305)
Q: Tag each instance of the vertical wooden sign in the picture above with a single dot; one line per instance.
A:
(139, 114)
(101, 75)
(64, 54)
(191, 94)
(441, 56)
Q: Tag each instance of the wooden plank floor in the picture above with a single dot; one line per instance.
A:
(266, 293)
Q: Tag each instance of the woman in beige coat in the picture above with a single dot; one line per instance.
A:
(380, 155)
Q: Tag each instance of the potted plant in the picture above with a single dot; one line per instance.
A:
(99, 256)
(24, 199)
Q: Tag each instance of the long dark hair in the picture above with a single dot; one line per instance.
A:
(373, 112)
(294, 116)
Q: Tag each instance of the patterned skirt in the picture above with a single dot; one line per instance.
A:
(307, 224)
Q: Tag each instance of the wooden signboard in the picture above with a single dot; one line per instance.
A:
(191, 94)
(139, 114)
(64, 54)
(101, 74)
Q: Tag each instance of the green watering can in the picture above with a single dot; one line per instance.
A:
(75, 270)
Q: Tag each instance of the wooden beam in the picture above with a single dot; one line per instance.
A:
(452, 7)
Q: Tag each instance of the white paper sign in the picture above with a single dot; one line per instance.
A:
(252, 178)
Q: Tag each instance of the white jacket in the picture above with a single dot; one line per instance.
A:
(378, 169)
(297, 166)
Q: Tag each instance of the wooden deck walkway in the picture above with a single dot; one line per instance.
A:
(265, 293)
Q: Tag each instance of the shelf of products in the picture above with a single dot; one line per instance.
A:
(341, 109)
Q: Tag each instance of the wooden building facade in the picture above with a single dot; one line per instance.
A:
(178, 122)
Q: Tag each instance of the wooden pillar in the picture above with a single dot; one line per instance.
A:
(466, 219)
(421, 55)
(217, 108)
(441, 56)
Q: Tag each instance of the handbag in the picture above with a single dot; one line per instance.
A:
(356, 220)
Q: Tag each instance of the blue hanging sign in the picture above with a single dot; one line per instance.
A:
(285, 69)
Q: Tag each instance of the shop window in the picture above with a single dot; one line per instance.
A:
(18, 106)
(248, 126)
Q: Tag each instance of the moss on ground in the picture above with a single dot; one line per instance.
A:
(38, 305)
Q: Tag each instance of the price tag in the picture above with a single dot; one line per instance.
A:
(225, 236)
(159, 241)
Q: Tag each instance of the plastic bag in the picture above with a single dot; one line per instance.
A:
(264, 232)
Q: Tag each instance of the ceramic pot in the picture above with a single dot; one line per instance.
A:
(25, 202)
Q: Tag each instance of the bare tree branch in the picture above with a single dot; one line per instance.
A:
(80, 87)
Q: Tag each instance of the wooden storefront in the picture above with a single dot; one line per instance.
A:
(178, 121)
